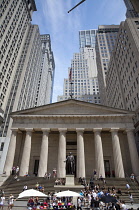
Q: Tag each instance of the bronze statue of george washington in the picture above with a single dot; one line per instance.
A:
(70, 164)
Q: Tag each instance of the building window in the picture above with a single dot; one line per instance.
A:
(2, 146)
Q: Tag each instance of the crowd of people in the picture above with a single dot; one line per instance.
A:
(93, 195)
(50, 203)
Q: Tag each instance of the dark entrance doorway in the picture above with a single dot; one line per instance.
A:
(36, 167)
(107, 168)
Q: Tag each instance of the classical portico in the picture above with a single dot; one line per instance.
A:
(99, 137)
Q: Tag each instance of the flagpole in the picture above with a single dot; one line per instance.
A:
(76, 5)
(70, 82)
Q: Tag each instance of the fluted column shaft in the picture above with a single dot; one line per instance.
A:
(133, 151)
(99, 153)
(118, 163)
(24, 167)
(61, 166)
(11, 152)
(44, 154)
(80, 153)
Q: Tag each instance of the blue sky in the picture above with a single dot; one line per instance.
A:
(63, 27)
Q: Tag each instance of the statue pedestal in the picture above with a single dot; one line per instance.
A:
(69, 180)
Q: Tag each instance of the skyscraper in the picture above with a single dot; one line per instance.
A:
(47, 70)
(83, 83)
(106, 37)
(122, 77)
(132, 8)
(20, 79)
(87, 38)
(135, 4)
(15, 18)
(123, 73)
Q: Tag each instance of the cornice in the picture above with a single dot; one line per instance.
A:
(73, 116)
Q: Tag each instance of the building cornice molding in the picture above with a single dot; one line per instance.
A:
(73, 116)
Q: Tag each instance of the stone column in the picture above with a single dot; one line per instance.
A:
(133, 151)
(118, 163)
(99, 152)
(80, 153)
(24, 167)
(11, 152)
(44, 154)
(61, 166)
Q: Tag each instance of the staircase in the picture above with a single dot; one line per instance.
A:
(14, 187)
(121, 183)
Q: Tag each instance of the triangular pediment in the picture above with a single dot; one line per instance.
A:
(72, 107)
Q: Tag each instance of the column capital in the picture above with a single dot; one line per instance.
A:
(79, 130)
(129, 130)
(29, 129)
(114, 130)
(45, 130)
(14, 129)
(97, 130)
(62, 130)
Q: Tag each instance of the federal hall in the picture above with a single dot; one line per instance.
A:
(99, 137)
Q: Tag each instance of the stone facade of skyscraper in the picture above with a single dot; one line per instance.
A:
(15, 22)
(123, 74)
(83, 78)
(15, 19)
(106, 37)
(24, 76)
(83, 83)
(135, 4)
(29, 66)
(132, 8)
(47, 71)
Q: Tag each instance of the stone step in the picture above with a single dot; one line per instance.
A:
(15, 187)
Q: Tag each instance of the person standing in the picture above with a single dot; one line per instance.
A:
(17, 170)
(79, 204)
(10, 202)
(96, 204)
(131, 198)
(95, 175)
(54, 172)
(2, 201)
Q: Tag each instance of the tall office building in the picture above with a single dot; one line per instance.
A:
(135, 4)
(15, 18)
(29, 68)
(15, 22)
(87, 38)
(105, 42)
(47, 71)
(23, 77)
(132, 8)
(82, 83)
(123, 74)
